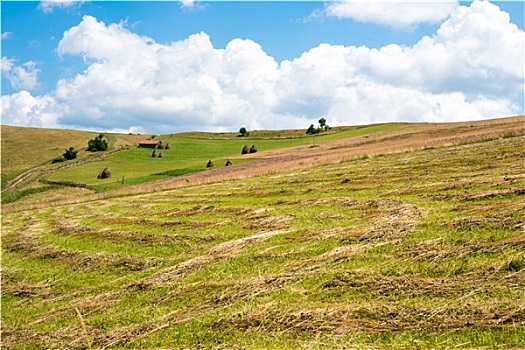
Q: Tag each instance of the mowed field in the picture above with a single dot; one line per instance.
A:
(410, 236)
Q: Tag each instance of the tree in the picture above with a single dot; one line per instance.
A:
(70, 153)
(242, 131)
(322, 122)
(312, 130)
(323, 125)
(97, 144)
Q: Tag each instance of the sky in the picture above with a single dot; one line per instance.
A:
(172, 66)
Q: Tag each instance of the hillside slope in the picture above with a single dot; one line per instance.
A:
(27, 154)
(418, 244)
(277, 155)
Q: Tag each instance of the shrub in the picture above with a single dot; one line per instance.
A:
(97, 144)
(313, 130)
(70, 153)
(243, 132)
(58, 160)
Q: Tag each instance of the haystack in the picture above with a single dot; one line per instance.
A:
(104, 174)
(160, 146)
(228, 163)
(161, 155)
(154, 153)
(245, 150)
(168, 146)
(210, 164)
(253, 149)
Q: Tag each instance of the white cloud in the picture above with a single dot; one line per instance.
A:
(475, 60)
(187, 3)
(24, 109)
(472, 68)
(20, 77)
(393, 13)
(6, 35)
(7, 64)
(191, 5)
(132, 77)
(49, 6)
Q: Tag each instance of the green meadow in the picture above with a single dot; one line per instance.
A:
(131, 165)
(415, 248)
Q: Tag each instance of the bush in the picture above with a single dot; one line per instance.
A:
(243, 132)
(97, 144)
(70, 153)
(312, 130)
(58, 160)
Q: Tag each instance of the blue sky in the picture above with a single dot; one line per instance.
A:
(170, 66)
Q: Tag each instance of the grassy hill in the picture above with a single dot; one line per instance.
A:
(399, 237)
(33, 173)
(27, 154)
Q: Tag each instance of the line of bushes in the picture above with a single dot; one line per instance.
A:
(68, 184)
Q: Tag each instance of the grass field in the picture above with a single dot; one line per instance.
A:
(359, 245)
(27, 154)
(191, 153)
(129, 164)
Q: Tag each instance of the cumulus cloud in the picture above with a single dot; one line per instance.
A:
(24, 109)
(188, 82)
(6, 35)
(393, 13)
(49, 6)
(471, 68)
(24, 76)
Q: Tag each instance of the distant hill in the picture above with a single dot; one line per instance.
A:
(27, 155)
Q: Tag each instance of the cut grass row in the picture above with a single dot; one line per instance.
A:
(422, 249)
